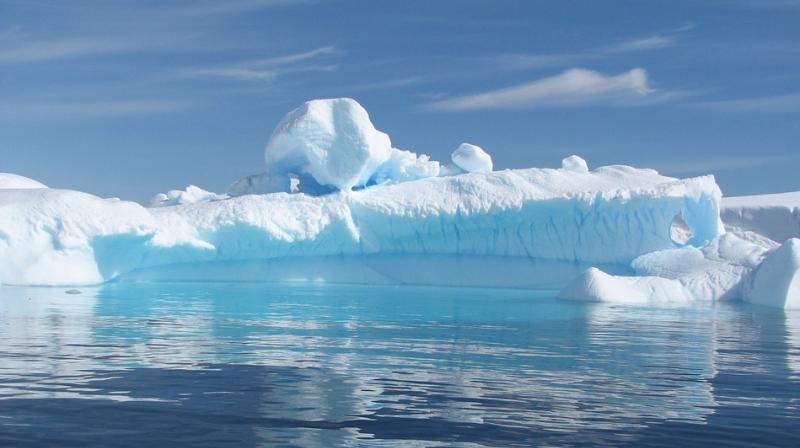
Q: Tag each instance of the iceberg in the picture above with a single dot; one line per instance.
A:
(748, 262)
(338, 203)
(66, 237)
(776, 216)
(720, 270)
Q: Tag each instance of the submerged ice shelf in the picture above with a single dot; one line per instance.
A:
(338, 203)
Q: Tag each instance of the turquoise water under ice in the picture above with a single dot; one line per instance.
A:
(249, 364)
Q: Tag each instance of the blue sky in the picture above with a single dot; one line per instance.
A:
(130, 98)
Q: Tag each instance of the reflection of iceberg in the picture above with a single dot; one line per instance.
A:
(793, 342)
(656, 370)
(45, 333)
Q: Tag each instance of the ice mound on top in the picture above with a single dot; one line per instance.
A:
(472, 159)
(575, 164)
(331, 145)
(15, 181)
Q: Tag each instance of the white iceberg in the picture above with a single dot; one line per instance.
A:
(719, 270)
(776, 216)
(608, 216)
(339, 203)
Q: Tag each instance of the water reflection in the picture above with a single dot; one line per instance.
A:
(792, 323)
(324, 365)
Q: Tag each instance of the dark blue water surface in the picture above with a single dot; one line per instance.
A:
(325, 365)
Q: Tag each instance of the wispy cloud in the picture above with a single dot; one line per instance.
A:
(68, 110)
(316, 53)
(766, 104)
(571, 88)
(214, 7)
(124, 26)
(636, 44)
(21, 52)
(641, 44)
(266, 69)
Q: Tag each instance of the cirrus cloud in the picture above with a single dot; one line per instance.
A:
(573, 87)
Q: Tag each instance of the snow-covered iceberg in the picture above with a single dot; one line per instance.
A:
(338, 203)
(748, 263)
(610, 215)
(776, 216)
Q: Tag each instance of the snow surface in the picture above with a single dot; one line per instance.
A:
(15, 181)
(776, 216)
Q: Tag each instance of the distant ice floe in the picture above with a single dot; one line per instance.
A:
(338, 203)
(190, 195)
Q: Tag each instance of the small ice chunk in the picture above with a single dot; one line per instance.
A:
(330, 141)
(594, 285)
(472, 159)
(404, 166)
(575, 164)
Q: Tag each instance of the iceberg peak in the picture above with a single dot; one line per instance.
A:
(472, 159)
(9, 181)
(326, 143)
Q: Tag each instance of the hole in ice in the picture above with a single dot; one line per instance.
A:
(679, 231)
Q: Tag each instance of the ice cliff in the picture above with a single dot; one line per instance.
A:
(337, 202)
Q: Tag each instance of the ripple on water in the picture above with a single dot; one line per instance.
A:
(328, 365)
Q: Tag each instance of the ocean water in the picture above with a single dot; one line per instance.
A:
(320, 365)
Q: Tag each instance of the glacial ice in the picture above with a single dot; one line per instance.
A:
(66, 237)
(338, 203)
